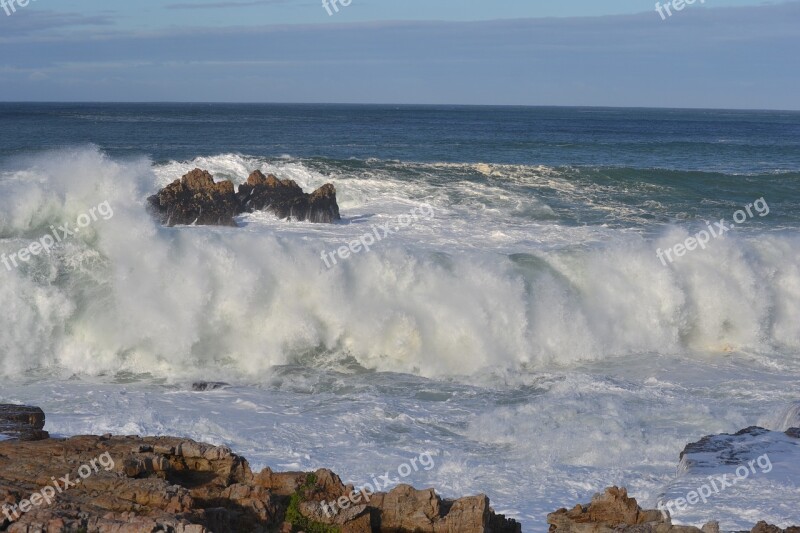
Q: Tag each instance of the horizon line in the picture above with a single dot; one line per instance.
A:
(358, 104)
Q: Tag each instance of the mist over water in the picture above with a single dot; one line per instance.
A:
(495, 280)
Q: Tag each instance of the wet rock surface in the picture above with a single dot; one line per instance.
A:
(286, 199)
(197, 199)
(19, 422)
(735, 449)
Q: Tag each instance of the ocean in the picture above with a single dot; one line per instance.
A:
(532, 334)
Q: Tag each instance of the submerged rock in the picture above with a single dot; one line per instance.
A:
(201, 386)
(736, 449)
(197, 199)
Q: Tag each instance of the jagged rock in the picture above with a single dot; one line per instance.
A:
(286, 199)
(19, 422)
(728, 448)
(132, 484)
(196, 199)
(763, 527)
(614, 512)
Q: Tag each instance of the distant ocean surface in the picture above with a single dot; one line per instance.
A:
(527, 336)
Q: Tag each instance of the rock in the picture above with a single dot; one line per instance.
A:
(721, 446)
(753, 448)
(133, 484)
(322, 205)
(286, 199)
(763, 527)
(733, 449)
(196, 199)
(613, 511)
(200, 386)
(19, 422)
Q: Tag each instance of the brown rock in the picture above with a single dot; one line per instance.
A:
(763, 527)
(19, 422)
(131, 484)
(196, 199)
(407, 509)
(614, 512)
(322, 205)
(286, 199)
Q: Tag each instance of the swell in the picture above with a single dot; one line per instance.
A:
(130, 296)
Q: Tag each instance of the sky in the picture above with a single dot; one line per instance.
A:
(711, 54)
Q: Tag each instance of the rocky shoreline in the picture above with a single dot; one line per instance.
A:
(131, 484)
(127, 484)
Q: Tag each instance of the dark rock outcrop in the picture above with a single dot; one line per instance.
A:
(201, 386)
(19, 422)
(286, 199)
(733, 449)
(132, 484)
(197, 199)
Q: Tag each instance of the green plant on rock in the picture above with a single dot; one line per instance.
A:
(300, 522)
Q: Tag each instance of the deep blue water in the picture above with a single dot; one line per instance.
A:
(735, 142)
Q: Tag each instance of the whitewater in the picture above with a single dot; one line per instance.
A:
(526, 336)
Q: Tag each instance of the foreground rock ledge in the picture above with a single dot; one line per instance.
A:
(19, 422)
(164, 484)
(197, 199)
(614, 512)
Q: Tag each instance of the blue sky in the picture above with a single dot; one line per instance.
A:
(721, 53)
